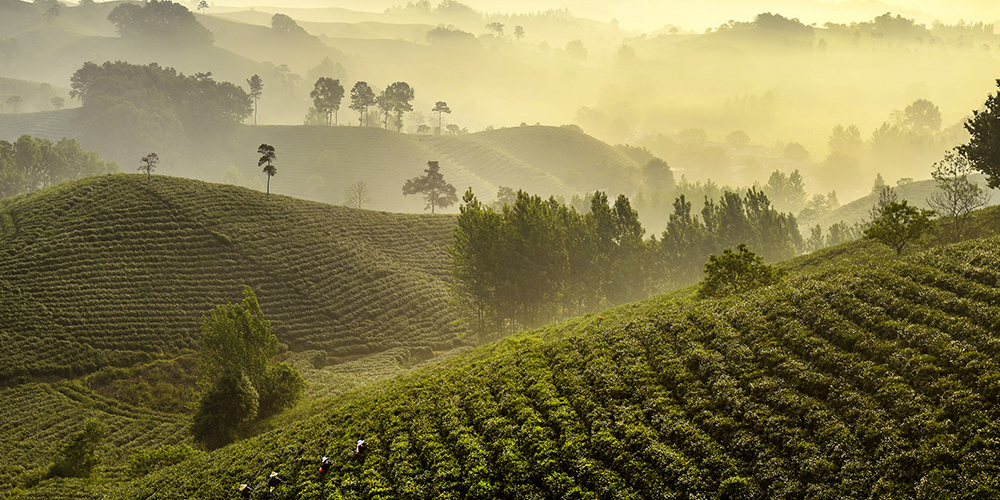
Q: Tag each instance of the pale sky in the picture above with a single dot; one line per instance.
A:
(649, 15)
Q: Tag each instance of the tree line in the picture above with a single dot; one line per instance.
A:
(535, 260)
(30, 163)
(129, 110)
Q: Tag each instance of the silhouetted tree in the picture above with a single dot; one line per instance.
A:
(267, 156)
(284, 24)
(440, 107)
(436, 191)
(362, 97)
(518, 32)
(496, 28)
(159, 19)
(956, 197)
(983, 148)
(15, 102)
(202, 5)
(400, 94)
(922, 117)
(256, 85)
(357, 195)
(58, 102)
(149, 163)
(326, 95)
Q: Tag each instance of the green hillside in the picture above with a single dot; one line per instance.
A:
(876, 381)
(115, 270)
(53, 125)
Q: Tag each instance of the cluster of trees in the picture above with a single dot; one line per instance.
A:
(129, 110)
(536, 260)
(528, 260)
(391, 103)
(28, 164)
(688, 241)
(159, 21)
(235, 363)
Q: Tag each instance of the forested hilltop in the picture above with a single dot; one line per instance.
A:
(860, 382)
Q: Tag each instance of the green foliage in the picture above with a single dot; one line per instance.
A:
(280, 388)
(983, 148)
(29, 164)
(737, 272)
(236, 349)
(362, 98)
(160, 21)
(433, 187)
(130, 109)
(865, 379)
(326, 95)
(145, 461)
(78, 456)
(898, 224)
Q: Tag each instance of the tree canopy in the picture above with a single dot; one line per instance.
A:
(436, 191)
(362, 97)
(235, 362)
(159, 20)
(737, 272)
(327, 94)
(898, 224)
(28, 164)
(983, 148)
(129, 109)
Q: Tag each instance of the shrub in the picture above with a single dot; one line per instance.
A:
(78, 456)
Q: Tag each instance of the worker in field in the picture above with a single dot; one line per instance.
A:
(324, 465)
(360, 448)
(245, 490)
(273, 481)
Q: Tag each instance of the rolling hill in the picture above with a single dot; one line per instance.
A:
(874, 381)
(319, 163)
(115, 270)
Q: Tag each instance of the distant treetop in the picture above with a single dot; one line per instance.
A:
(161, 19)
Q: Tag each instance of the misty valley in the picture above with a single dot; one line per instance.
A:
(603, 250)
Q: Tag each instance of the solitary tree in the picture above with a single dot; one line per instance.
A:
(956, 197)
(899, 224)
(267, 156)
(284, 24)
(15, 102)
(202, 5)
(357, 195)
(436, 191)
(149, 163)
(440, 107)
(496, 28)
(518, 32)
(737, 272)
(983, 149)
(400, 95)
(236, 349)
(362, 97)
(256, 89)
(78, 455)
(58, 102)
(326, 95)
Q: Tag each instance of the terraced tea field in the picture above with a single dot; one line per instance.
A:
(53, 125)
(113, 270)
(877, 382)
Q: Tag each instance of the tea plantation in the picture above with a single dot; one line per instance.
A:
(115, 270)
(879, 381)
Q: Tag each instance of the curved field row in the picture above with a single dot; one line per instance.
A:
(875, 382)
(116, 270)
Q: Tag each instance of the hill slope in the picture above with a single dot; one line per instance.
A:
(319, 163)
(878, 381)
(114, 270)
